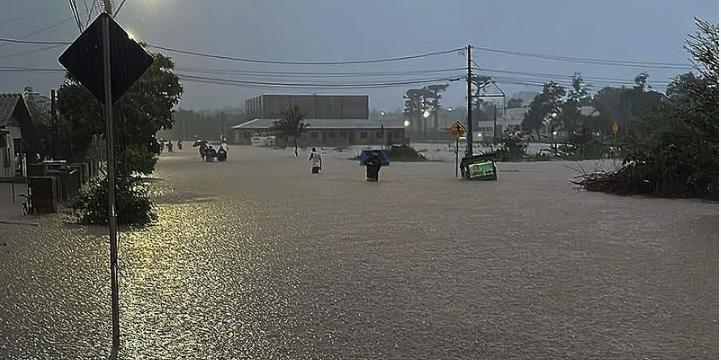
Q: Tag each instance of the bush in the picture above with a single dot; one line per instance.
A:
(512, 147)
(133, 206)
(136, 159)
(405, 153)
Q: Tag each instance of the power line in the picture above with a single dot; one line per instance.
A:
(34, 42)
(119, 7)
(218, 81)
(5, 21)
(284, 74)
(30, 51)
(556, 76)
(91, 12)
(607, 62)
(344, 62)
(75, 13)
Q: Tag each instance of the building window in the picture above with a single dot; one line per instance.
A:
(379, 134)
(314, 134)
(363, 135)
(331, 134)
(343, 134)
(246, 135)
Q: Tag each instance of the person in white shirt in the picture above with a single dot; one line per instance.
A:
(316, 161)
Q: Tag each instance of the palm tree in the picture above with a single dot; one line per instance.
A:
(290, 125)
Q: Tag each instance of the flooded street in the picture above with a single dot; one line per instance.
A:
(258, 259)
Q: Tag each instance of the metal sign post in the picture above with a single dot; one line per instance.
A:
(457, 156)
(112, 219)
(107, 73)
(457, 130)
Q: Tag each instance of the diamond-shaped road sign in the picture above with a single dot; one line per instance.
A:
(457, 129)
(84, 59)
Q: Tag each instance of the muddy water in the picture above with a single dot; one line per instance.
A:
(257, 259)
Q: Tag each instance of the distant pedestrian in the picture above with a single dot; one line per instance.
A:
(170, 146)
(316, 161)
(373, 166)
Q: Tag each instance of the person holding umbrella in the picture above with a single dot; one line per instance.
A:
(373, 166)
(203, 148)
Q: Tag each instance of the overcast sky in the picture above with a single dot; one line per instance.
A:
(643, 30)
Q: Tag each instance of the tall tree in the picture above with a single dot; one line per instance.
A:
(541, 107)
(416, 102)
(290, 126)
(145, 108)
(515, 103)
(434, 99)
(578, 94)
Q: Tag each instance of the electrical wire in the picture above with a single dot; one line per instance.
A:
(556, 76)
(344, 62)
(285, 74)
(605, 62)
(91, 13)
(34, 42)
(119, 8)
(234, 82)
(5, 21)
(31, 51)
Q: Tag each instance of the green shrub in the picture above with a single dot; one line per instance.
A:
(137, 159)
(132, 202)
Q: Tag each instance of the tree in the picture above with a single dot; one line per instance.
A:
(478, 84)
(641, 81)
(146, 107)
(434, 99)
(290, 125)
(673, 148)
(416, 102)
(515, 103)
(570, 112)
(542, 106)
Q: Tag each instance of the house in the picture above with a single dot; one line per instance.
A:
(17, 124)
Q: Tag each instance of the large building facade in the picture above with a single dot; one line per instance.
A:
(331, 120)
(312, 106)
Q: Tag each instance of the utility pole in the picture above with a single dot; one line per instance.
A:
(54, 125)
(469, 137)
(112, 220)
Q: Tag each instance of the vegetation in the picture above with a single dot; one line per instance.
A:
(512, 147)
(289, 127)
(144, 109)
(133, 205)
(405, 153)
(542, 106)
(673, 150)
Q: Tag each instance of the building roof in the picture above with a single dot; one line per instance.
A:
(8, 102)
(261, 124)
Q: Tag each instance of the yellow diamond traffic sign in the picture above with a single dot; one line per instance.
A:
(457, 129)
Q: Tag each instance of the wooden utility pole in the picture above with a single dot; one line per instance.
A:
(53, 125)
(469, 136)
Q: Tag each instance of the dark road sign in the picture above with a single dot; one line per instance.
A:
(84, 59)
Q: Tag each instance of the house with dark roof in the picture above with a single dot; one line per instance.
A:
(15, 119)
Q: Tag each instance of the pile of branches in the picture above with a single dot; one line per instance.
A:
(669, 174)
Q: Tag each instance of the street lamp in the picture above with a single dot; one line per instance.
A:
(383, 132)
